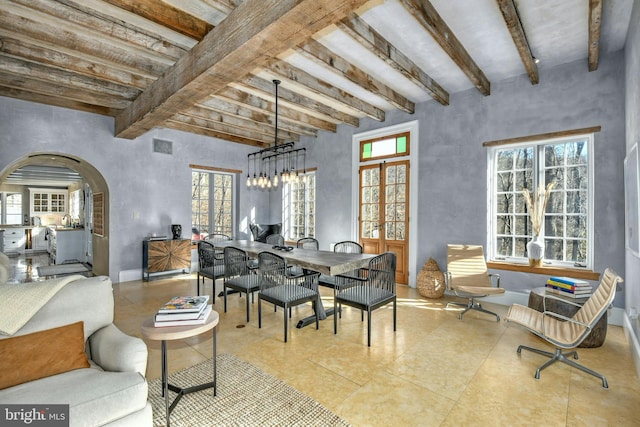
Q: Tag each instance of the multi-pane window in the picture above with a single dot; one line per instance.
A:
(11, 208)
(566, 227)
(385, 147)
(298, 207)
(212, 201)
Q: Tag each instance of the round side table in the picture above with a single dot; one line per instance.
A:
(176, 333)
(598, 333)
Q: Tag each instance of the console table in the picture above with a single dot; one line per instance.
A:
(598, 333)
(162, 256)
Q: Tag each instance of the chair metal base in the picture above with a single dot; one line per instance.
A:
(472, 305)
(559, 356)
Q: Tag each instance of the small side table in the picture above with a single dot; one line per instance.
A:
(598, 333)
(176, 333)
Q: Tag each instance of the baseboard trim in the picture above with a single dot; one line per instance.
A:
(129, 275)
(634, 344)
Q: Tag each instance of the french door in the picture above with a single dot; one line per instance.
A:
(384, 212)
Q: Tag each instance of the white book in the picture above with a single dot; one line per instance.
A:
(202, 319)
(190, 315)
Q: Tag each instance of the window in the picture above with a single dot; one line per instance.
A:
(299, 207)
(567, 226)
(385, 147)
(212, 201)
(10, 208)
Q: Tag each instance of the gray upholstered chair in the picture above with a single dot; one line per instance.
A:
(261, 231)
(467, 276)
(376, 288)
(238, 276)
(564, 332)
(281, 289)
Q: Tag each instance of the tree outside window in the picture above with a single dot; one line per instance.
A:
(298, 208)
(212, 203)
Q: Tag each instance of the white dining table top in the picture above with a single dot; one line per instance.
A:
(325, 262)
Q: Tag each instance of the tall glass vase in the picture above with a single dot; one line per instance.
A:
(535, 251)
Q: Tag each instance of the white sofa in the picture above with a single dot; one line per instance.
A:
(113, 390)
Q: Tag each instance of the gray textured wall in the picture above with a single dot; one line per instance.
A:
(452, 167)
(149, 191)
(632, 74)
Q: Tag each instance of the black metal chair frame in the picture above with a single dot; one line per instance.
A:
(238, 276)
(283, 290)
(375, 289)
(210, 265)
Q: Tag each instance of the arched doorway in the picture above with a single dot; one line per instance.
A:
(93, 178)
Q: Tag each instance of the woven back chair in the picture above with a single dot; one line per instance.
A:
(467, 276)
(308, 243)
(218, 237)
(238, 276)
(376, 288)
(210, 264)
(275, 239)
(563, 332)
(348, 246)
(283, 290)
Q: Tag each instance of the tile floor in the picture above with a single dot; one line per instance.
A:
(434, 371)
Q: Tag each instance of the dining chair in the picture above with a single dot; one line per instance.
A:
(564, 332)
(281, 289)
(210, 265)
(218, 237)
(467, 276)
(238, 277)
(346, 246)
(308, 243)
(376, 288)
(275, 239)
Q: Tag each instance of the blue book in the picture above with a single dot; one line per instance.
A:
(569, 281)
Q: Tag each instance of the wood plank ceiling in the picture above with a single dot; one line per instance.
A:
(206, 66)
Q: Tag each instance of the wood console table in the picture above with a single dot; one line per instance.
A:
(162, 256)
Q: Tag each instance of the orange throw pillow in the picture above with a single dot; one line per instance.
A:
(42, 354)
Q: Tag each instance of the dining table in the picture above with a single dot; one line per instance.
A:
(325, 262)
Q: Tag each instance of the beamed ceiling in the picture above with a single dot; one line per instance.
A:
(206, 66)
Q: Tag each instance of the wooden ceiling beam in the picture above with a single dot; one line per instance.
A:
(255, 115)
(318, 53)
(514, 24)
(51, 34)
(285, 113)
(284, 70)
(235, 121)
(48, 99)
(253, 32)
(81, 65)
(362, 32)
(595, 27)
(74, 14)
(69, 79)
(203, 130)
(427, 15)
(305, 103)
(165, 14)
(226, 128)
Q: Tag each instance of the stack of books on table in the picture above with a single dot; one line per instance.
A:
(569, 287)
(183, 311)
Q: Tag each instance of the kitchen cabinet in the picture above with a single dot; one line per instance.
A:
(15, 239)
(66, 245)
(38, 241)
(44, 201)
(160, 256)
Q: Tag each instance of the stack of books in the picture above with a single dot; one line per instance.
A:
(569, 287)
(183, 311)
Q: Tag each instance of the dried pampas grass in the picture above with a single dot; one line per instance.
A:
(537, 205)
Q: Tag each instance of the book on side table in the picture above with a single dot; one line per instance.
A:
(569, 287)
(183, 311)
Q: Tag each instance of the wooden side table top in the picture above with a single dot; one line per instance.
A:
(167, 333)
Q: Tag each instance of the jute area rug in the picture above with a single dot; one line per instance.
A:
(247, 396)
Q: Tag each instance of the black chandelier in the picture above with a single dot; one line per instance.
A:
(279, 156)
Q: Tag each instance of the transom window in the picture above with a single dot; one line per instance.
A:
(299, 207)
(385, 147)
(567, 225)
(212, 201)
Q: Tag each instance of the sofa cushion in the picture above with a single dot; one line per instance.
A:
(42, 354)
(95, 397)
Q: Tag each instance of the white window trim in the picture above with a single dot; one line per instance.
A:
(411, 127)
(234, 186)
(492, 190)
(287, 223)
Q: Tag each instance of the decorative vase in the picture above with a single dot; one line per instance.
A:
(535, 251)
(176, 229)
(430, 280)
